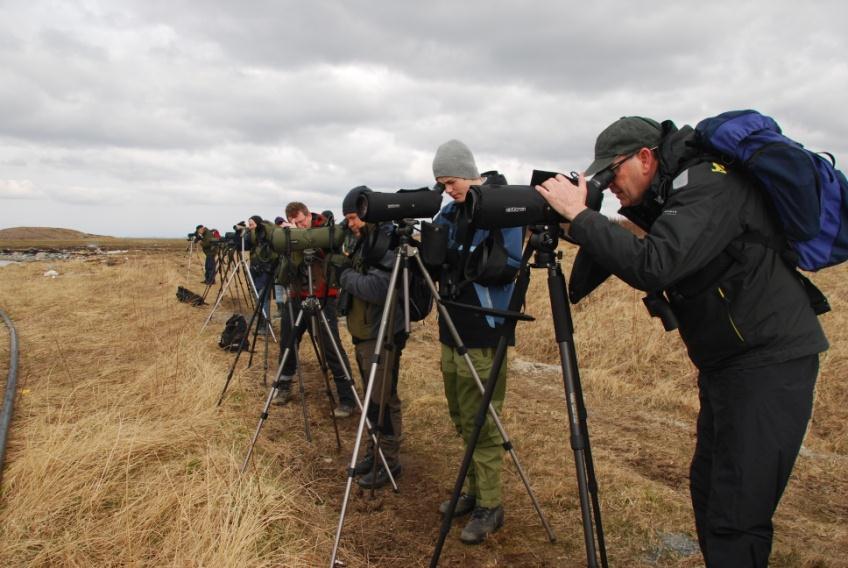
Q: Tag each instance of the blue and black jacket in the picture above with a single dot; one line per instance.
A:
(475, 329)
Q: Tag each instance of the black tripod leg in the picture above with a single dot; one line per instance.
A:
(387, 361)
(369, 388)
(276, 385)
(238, 355)
(219, 271)
(260, 304)
(515, 303)
(471, 445)
(507, 442)
(218, 298)
(317, 340)
(564, 330)
(368, 426)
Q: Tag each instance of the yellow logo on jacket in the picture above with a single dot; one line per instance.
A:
(718, 169)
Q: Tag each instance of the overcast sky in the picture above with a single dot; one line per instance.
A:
(145, 118)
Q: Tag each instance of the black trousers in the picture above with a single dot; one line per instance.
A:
(209, 268)
(336, 365)
(750, 427)
(262, 279)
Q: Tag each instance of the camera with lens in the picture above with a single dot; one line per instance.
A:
(286, 240)
(377, 207)
(501, 206)
(232, 239)
(294, 246)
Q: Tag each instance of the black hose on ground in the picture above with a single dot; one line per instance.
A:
(11, 388)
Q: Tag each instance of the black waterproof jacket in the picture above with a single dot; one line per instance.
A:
(368, 290)
(755, 312)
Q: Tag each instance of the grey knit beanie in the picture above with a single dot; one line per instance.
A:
(454, 159)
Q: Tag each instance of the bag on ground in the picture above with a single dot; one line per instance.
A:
(233, 338)
(188, 297)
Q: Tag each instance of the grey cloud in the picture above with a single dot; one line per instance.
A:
(223, 108)
(18, 189)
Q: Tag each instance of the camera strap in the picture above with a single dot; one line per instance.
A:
(465, 236)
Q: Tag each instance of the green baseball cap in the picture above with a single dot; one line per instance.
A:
(624, 136)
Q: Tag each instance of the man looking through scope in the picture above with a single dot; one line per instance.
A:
(206, 239)
(364, 282)
(299, 216)
(263, 261)
(743, 314)
(454, 168)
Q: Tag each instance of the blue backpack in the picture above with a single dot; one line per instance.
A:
(809, 194)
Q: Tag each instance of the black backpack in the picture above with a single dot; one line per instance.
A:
(187, 296)
(420, 298)
(233, 338)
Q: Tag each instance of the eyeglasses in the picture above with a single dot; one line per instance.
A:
(615, 166)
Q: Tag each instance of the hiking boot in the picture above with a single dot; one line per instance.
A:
(342, 411)
(365, 465)
(283, 394)
(369, 480)
(464, 506)
(484, 521)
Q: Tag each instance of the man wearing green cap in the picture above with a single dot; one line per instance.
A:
(742, 312)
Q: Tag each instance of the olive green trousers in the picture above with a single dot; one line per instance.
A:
(464, 398)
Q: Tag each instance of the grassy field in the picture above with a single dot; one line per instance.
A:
(118, 454)
(103, 243)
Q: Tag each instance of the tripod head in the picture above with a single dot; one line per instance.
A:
(544, 240)
(405, 228)
(310, 256)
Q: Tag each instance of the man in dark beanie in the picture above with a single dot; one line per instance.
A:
(741, 310)
(454, 167)
(364, 288)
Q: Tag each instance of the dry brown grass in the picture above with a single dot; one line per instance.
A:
(59, 241)
(118, 455)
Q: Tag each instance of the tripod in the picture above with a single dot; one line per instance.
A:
(241, 266)
(318, 317)
(253, 318)
(405, 251)
(190, 254)
(543, 243)
(219, 258)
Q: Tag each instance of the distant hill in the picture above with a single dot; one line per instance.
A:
(44, 234)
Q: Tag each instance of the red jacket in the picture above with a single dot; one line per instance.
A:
(319, 280)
